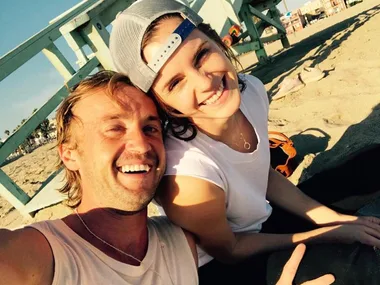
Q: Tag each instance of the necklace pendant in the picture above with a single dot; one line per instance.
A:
(247, 145)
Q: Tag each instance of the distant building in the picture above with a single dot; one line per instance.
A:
(53, 123)
(2, 140)
(313, 11)
(333, 6)
(53, 128)
(312, 8)
(293, 22)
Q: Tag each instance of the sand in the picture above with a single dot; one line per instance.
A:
(343, 109)
(328, 120)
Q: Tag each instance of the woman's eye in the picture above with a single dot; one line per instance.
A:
(201, 55)
(151, 129)
(173, 84)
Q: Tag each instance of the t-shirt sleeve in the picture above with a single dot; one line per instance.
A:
(194, 163)
(258, 87)
(176, 249)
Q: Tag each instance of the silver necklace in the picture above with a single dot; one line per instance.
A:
(246, 144)
(117, 249)
(103, 241)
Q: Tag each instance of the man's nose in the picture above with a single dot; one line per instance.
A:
(137, 142)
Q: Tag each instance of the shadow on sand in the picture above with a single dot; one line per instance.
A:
(285, 62)
(306, 142)
(350, 167)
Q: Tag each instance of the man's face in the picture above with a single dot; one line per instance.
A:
(120, 153)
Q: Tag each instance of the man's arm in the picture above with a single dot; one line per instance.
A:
(25, 257)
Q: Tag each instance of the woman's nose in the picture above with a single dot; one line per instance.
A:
(203, 80)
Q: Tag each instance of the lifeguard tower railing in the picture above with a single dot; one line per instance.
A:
(85, 25)
(254, 15)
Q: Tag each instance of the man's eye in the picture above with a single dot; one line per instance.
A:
(116, 129)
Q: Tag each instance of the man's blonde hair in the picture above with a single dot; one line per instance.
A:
(103, 80)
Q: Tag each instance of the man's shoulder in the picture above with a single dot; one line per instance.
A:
(165, 229)
(28, 237)
(26, 255)
(175, 236)
(161, 222)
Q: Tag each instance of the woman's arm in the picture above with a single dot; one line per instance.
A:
(286, 195)
(200, 207)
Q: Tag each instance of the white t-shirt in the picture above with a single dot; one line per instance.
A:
(243, 176)
(78, 262)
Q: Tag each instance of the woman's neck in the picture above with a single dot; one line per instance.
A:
(235, 132)
(220, 129)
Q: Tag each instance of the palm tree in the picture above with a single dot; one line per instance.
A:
(44, 127)
(18, 126)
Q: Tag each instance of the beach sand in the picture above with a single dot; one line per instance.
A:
(328, 120)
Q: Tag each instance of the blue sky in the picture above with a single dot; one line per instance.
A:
(292, 4)
(35, 82)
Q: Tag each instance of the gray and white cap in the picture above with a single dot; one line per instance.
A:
(129, 29)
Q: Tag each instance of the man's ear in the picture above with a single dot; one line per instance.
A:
(69, 156)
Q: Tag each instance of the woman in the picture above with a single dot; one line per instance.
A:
(218, 176)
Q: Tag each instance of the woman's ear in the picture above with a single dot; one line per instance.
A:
(69, 156)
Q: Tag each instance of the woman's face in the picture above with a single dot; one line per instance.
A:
(198, 80)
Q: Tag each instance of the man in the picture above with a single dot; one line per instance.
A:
(111, 147)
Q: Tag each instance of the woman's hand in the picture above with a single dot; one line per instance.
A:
(363, 230)
(290, 270)
(359, 220)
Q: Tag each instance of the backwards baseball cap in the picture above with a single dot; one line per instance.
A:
(128, 32)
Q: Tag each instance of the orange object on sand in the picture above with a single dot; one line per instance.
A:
(282, 152)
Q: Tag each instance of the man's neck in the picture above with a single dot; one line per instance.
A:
(127, 233)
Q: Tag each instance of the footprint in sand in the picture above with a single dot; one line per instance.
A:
(335, 121)
(278, 122)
